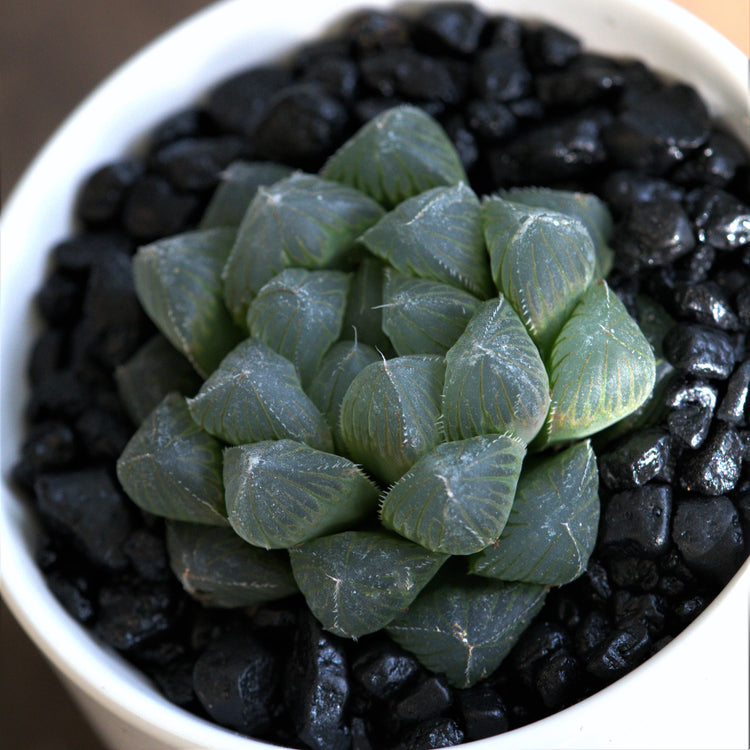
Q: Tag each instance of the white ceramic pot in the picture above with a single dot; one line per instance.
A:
(693, 694)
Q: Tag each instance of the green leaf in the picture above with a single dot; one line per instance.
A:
(172, 468)
(218, 569)
(155, 370)
(457, 498)
(363, 319)
(390, 414)
(552, 528)
(298, 314)
(542, 261)
(495, 380)
(280, 493)
(254, 395)
(601, 368)
(178, 282)
(586, 207)
(400, 153)
(464, 627)
(239, 184)
(424, 317)
(343, 362)
(356, 582)
(436, 235)
(302, 221)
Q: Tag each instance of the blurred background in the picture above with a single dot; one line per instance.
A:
(52, 54)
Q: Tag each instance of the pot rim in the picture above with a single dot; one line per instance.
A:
(100, 672)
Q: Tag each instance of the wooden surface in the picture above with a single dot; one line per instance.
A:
(52, 53)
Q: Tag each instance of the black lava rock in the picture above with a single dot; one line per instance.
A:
(501, 74)
(48, 447)
(656, 128)
(75, 593)
(434, 733)
(490, 120)
(337, 76)
(700, 351)
(454, 27)
(316, 689)
(734, 403)
(427, 699)
(301, 126)
(557, 679)
(86, 509)
(637, 522)
(102, 195)
(715, 164)
(384, 670)
(708, 534)
(646, 609)
(483, 711)
(642, 457)
(549, 46)
(705, 303)
(715, 468)
(535, 646)
(635, 573)
(587, 80)
(591, 633)
(652, 234)
(236, 679)
(620, 652)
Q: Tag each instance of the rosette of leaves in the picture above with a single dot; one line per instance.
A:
(396, 385)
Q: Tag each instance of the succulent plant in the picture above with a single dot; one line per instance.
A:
(398, 381)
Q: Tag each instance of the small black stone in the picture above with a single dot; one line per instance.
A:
(623, 187)
(715, 467)
(316, 688)
(734, 403)
(49, 446)
(374, 31)
(594, 584)
(235, 679)
(696, 266)
(536, 645)
(132, 614)
(453, 27)
(239, 103)
(700, 351)
(101, 197)
(59, 299)
(384, 670)
(301, 126)
(647, 609)
(588, 79)
(708, 534)
(620, 652)
(185, 123)
(557, 679)
(430, 697)
(550, 153)
(720, 219)
(154, 209)
(550, 46)
(705, 303)
(691, 407)
(87, 509)
(636, 573)
(657, 128)
(652, 234)
(58, 394)
(642, 457)
(75, 593)
(688, 609)
(490, 120)
(147, 554)
(500, 74)
(103, 433)
(47, 354)
(433, 733)
(196, 163)
(175, 680)
(714, 164)
(359, 735)
(337, 76)
(504, 31)
(591, 633)
(483, 711)
(463, 139)
(78, 254)
(637, 522)
(743, 306)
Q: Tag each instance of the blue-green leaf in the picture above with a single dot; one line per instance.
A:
(390, 414)
(298, 314)
(464, 627)
(400, 153)
(255, 394)
(172, 468)
(542, 261)
(178, 282)
(422, 316)
(457, 498)
(356, 582)
(302, 221)
(280, 492)
(343, 362)
(239, 184)
(552, 528)
(436, 235)
(155, 370)
(219, 569)
(495, 380)
(601, 368)
(586, 207)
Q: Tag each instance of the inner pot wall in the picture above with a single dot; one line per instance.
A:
(703, 675)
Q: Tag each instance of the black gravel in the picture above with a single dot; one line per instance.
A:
(524, 105)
